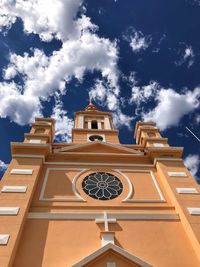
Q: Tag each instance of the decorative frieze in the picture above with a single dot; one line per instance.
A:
(177, 174)
(9, 210)
(4, 239)
(194, 211)
(21, 171)
(13, 189)
(186, 190)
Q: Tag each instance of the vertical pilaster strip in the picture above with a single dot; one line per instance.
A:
(107, 123)
(99, 125)
(181, 204)
(14, 211)
(81, 121)
(89, 125)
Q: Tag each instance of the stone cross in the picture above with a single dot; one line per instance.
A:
(106, 221)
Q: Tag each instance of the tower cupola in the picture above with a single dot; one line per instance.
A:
(94, 125)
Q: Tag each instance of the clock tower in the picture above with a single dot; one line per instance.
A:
(95, 202)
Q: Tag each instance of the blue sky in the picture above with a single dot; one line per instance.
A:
(138, 59)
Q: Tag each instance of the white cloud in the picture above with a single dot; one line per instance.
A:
(49, 18)
(172, 106)
(121, 119)
(138, 41)
(192, 162)
(19, 108)
(142, 94)
(64, 124)
(3, 166)
(43, 76)
(187, 57)
(105, 95)
(98, 92)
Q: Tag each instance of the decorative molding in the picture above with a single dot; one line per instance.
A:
(98, 164)
(129, 183)
(82, 163)
(13, 189)
(4, 239)
(29, 144)
(95, 216)
(92, 164)
(115, 146)
(117, 250)
(9, 210)
(21, 171)
(29, 156)
(166, 159)
(43, 123)
(177, 174)
(186, 190)
(194, 211)
(127, 199)
(78, 197)
(74, 184)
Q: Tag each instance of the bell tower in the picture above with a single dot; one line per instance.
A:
(94, 125)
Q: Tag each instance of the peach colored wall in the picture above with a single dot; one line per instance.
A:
(58, 184)
(53, 243)
(81, 136)
(191, 223)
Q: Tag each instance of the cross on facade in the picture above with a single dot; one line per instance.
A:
(106, 221)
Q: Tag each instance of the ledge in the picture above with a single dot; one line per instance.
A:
(30, 148)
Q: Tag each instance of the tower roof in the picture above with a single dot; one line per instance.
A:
(91, 107)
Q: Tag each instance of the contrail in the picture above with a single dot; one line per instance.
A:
(193, 134)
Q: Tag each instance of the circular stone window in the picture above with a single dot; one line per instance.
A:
(96, 138)
(102, 186)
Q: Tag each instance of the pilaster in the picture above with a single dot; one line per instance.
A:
(175, 176)
(14, 204)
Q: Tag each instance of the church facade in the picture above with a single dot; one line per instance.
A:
(97, 203)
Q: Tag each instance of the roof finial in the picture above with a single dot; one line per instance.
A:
(91, 106)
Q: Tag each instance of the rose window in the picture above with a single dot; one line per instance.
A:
(102, 186)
